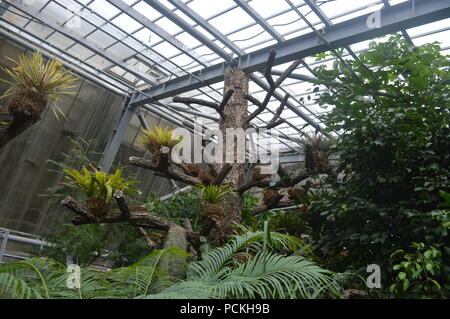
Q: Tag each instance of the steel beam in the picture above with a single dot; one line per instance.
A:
(81, 40)
(4, 234)
(259, 19)
(393, 19)
(163, 34)
(98, 79)
(155, 4)
(404, 33)
(319, 12)
(227, 42)
(118, 135)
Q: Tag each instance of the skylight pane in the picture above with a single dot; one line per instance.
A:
(206, 10)
(125, 22)
(267, 8)
(232, 20)
(104, 8)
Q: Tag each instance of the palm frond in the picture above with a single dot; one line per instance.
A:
(144, 277)
(218, 257)
(44, 273)
(16, 288)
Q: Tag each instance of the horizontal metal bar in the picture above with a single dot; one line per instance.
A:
(393, 19)
(30, 241)
(201, 114)
(77, 70)
(81, 40)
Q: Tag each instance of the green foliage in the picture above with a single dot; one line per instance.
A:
(159, 136)
(181, 205)
(48, 79)
(46, 278)
(263, 275)
(214, 194)
(446, 197)
(99, 184)
(145, 276)
(418, 273)
(16, 288)
(394, 152)
(122, 243)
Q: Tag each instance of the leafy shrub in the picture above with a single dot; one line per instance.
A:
(394, 153)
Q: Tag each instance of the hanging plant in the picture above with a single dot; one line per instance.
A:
(212, 197)
(35, 83)
(157, 137)
(99, 187)
(257, 175)
(316, 148)
(206, 176)
(193, 169)
(270, 195)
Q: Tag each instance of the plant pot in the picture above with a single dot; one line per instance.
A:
(97, 206)
(28, 103)
(270, 195)
(193, 169)
(206, 176)
(212, 211)
(257, 175)
(295, 193)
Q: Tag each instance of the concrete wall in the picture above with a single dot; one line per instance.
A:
(92, 113)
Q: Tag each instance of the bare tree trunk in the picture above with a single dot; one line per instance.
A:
(235, 117)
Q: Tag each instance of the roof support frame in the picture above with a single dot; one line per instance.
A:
(352, 31)
(216, 33)
(75, 37)
(212, 30)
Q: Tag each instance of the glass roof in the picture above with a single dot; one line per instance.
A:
(124, 42)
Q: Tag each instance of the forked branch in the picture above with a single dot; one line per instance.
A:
(219, 107)
(273, 85)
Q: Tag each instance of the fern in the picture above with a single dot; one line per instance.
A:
(144, 276)
(263, 275)
(16, 288)
(218, 257)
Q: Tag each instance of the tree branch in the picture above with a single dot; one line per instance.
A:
(140, 218)
(226, 168)
(273, 85)
(123, 207)
(265, 208)
(218, 107)
(76, 207)
(150, 242)
(287, 181)
(169, 172)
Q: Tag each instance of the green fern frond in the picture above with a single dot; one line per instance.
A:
(144, 277)
(16, 288)
(219, 257)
